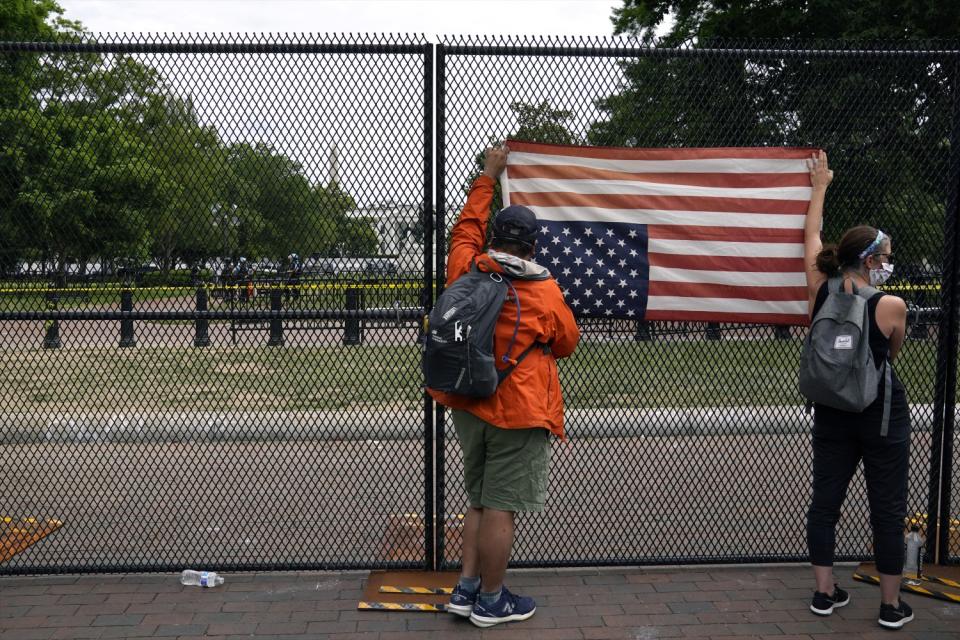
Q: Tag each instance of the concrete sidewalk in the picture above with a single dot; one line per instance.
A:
(735, 602)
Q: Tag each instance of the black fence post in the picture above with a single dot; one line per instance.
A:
(644, 331)
(352, 331)
(276, 324)
(426, 301)
(945, 394)
(440, 272)
(713, 331)
(127, 338)
(919, 328)
(201, 336)
(782, 332)
(51, 337)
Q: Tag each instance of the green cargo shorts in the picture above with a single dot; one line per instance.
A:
(505, 469)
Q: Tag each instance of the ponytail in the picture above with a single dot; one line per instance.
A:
(828, 261)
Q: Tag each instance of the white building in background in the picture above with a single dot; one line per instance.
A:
(399, 232)
(399, 227)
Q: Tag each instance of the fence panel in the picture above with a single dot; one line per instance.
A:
(689, 442)
(212, 278)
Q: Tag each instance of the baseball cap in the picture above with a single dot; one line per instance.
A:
(515, 223)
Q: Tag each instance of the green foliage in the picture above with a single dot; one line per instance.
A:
(539, 122)
(885, 123)
(101, 158)
(542, 123)
(698, 20)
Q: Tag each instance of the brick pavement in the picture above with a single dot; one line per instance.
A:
(739, 603)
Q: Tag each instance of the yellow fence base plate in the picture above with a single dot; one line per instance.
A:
(942, 583)
(427, 591)
(401, 606)
(16, 534)
(419, 590)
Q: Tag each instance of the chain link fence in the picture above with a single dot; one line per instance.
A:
(213, 276)
(215, 254)
(689, 442)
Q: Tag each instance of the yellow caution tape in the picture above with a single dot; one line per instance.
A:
(423, 590)
(307, 287)
(911, 287)
(401, 606)
(191, 288)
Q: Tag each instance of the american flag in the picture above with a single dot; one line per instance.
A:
(712, 235)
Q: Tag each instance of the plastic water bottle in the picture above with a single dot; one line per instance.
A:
(200, 579)
(913, 561)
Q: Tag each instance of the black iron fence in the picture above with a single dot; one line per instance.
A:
(216, 255)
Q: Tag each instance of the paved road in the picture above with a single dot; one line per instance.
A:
(632, 499)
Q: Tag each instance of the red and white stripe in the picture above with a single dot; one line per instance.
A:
(725, 225)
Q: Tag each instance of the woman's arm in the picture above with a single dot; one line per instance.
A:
(892, 321)
(820, 177)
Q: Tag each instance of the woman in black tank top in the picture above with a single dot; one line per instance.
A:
(842, 439)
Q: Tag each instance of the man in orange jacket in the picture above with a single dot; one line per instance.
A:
(505, 438)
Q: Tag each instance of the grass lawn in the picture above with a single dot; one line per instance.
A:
(627, 374)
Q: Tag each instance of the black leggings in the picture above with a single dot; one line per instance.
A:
(837, 449)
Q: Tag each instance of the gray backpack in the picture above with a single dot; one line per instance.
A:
(458, 347)
(837, 367)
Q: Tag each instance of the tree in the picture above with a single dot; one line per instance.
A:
(540, 122)
(25, 20)
(184, 223)
(885, 123)
(101, 156)
(700, 20)
(76, 184)
(279, 212)
(19, 20)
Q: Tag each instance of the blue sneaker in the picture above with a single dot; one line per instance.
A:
(462, 601)
(509, 608)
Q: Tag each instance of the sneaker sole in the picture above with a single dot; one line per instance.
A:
(462, 610)
(484, 622)
(895, 625)
(826, 612)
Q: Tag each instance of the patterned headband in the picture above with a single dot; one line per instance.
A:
(873, 245)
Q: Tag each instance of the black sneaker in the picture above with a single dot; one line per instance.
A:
(893, 617)
(824, 603)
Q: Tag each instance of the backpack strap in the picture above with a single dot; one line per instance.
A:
(887, 398)
(835, 284)
(867, 293)
(516, 325)
(502, 374)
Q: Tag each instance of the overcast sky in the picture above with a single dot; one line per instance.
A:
(300, 106)
(431, 17)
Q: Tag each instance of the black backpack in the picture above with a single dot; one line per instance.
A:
(458, 346)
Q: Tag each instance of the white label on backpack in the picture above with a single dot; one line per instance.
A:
(450, 312)
(843, 342)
